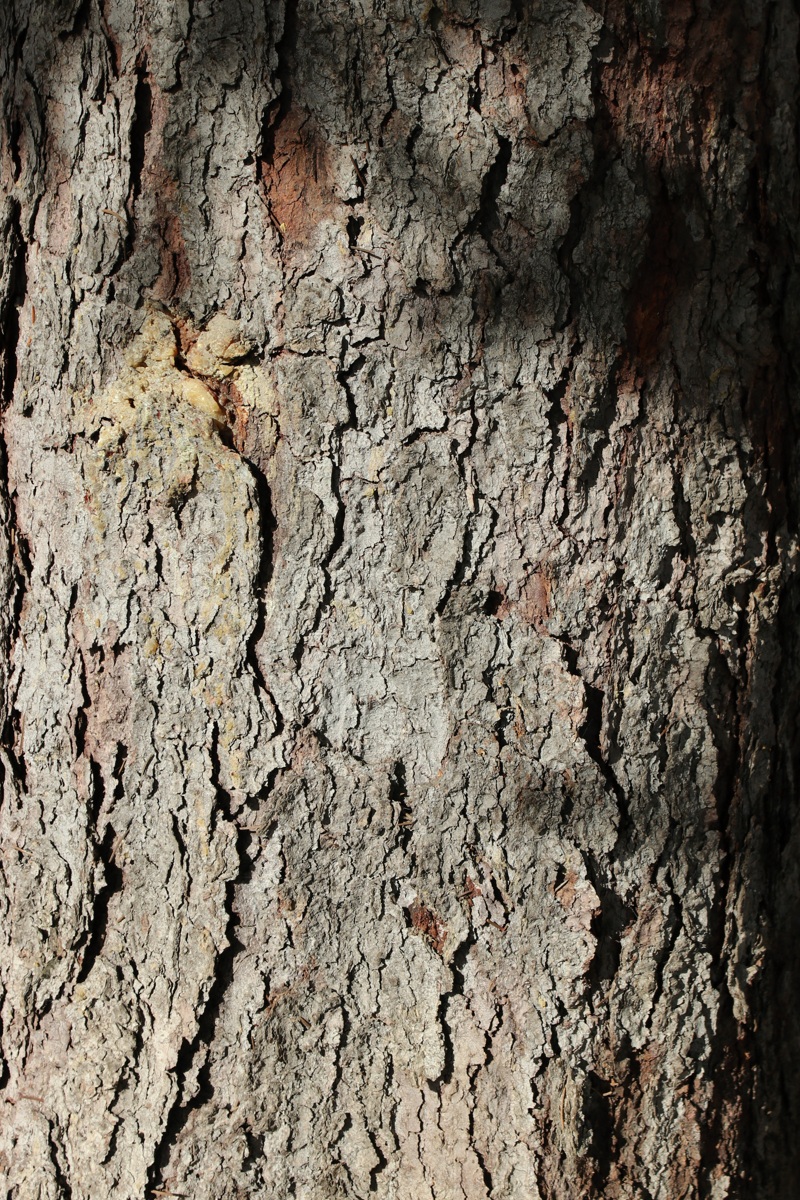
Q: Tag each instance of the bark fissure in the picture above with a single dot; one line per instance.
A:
(111, 886)
(188, 1062)
(61, 1178)
(14, 288)
(278, 109)
(140, 129)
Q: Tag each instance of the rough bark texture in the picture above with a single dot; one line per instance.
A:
(400, 662)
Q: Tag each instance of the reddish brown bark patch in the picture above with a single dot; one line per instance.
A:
(666, 272)
(532, 602)
(296, 176)
(426, 922)
(661, 97)
(175, 275)
(661, 92)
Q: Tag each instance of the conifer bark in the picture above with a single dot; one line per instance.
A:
(399, 652)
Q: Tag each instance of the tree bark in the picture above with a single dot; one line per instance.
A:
(400, 657)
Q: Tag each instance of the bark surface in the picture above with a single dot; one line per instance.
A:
(400, 655)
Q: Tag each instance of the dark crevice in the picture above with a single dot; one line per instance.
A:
(447, 1043)
(187, 41)
(474, 93)
(571, 658)
(338, 1065)
(98, 791)
(487, 219)
(398, 798)
(457, 965)
(14, 136)
(19, 45)
(61, 1179)
(488, 1182)
(285, 50)
(465, 559)
(141, 125)
(460, 570)
(16, 288)
(114, 47)
(80, 21)
(504, 722)
(117, 771)
(608, 927)
(575, 230)
(561, 1014)
(22, 567)
(12, 744)
(600, 1121)
(590, 731)
(354, 225)
(255, 1151)
(112, 885)
(493, 603)
(730, 1050)
(433, 17)
(343, 377)
(266, 567)
(595, 435)
(674, 926)
(81, 720)
(346, 1126)
(208, 1016)
(420, 433)
(516, 12)
(380, 1166)
(493, 183)
(392, 109)
(556, 418)
(411, 143)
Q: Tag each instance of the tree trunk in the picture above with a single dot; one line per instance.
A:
(401, 655)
